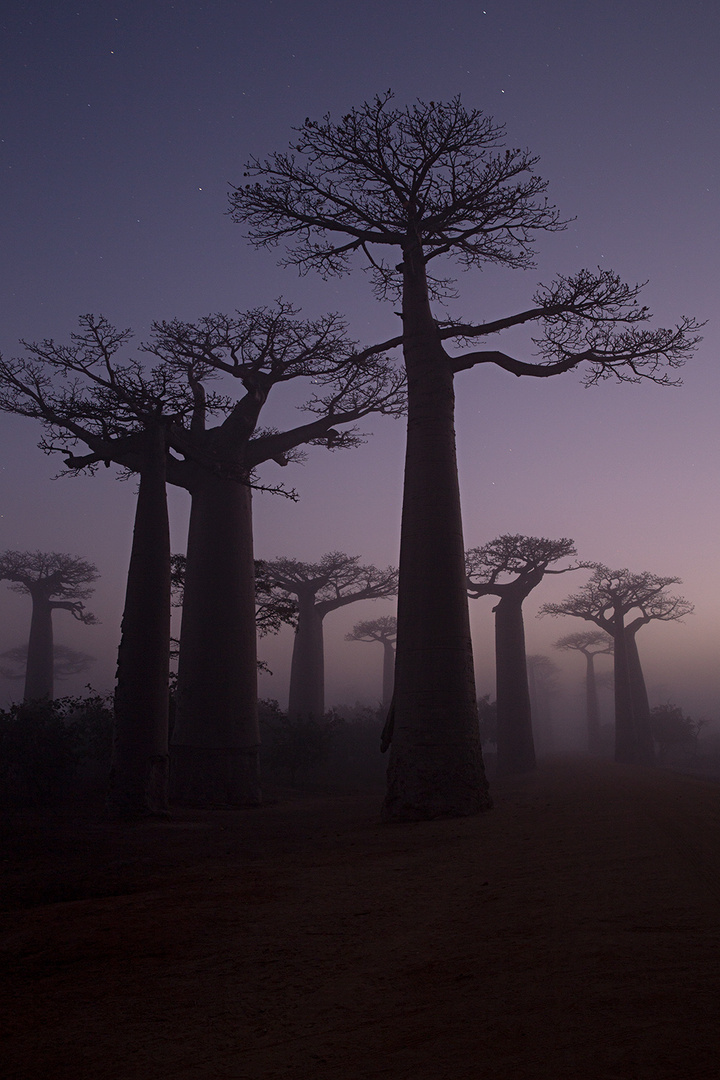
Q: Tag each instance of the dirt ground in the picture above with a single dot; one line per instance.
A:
(572, 932)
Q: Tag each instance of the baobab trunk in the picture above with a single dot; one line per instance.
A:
(216, 739)
(515, 745)
(436, 767)
(39, 674)
(307, 672)
(592, 708)
(139, 776)
(626, 748)
(388, 673)
(640, 703)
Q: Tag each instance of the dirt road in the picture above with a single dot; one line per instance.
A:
(572, 932)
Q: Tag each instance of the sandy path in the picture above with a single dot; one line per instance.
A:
(573, 932)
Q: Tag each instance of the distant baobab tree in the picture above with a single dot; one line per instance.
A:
(155, 421)
(383, 630)
(66, 662)
(590, 643)
(319, 588)
(421, 182)
(510, 567)
(607, 599)
(543, 686)
(54, 582)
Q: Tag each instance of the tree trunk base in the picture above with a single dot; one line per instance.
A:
(148, 798)
(215, 777)
(424, 793)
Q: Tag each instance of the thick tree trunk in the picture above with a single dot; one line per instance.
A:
(139, 777)
(592, 708)
(436, 767)
(215, 742)
(307, 671)
(640, 703)
(388, 673)
(515, 746)
(39, 675)
(626, 745)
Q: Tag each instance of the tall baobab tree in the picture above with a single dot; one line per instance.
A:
(156, 422)
(510, 567)
(319, 588)
(54, 582)
(608, 599)
(423, 182)
(590, 643)
(383, 630)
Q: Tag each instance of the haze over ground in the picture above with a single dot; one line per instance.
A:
(125, 124)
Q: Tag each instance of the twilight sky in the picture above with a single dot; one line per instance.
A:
(123, 125)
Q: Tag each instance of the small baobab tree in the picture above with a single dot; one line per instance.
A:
(54, 582)
(509, 568)
(384, 631)
(319, 588)
(620, 602)
(590, 643)
(400, 187)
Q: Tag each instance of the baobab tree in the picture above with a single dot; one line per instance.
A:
(423, 182)
(54, 582)
(383, 630)
(607, 599)
(122, 412)
(156, 423)
(510, 567)
(319, 588)
(590, 643)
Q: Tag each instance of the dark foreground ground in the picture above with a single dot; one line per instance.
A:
(573, 932)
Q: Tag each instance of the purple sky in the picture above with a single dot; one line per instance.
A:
(124, 123)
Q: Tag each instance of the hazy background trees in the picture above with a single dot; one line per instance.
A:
(319, 588)
(620, 602)
(510, 567)
(590, 643)
(384, 631)
(54, 582)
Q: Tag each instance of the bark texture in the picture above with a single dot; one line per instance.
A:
(139, 778)
(436, 767)
(515, 744)
(216, 738)
(307, 672)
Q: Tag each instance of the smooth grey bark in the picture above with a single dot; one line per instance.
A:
(307, 671)
(515, 744)
(139, 775)
(216, 738)
(436, 767)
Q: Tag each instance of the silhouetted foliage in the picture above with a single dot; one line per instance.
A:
(66, 662)
(674, 732)
(46, 746)
(319, 588)
(420, 182)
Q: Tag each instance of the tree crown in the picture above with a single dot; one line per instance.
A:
(336, 580)
(523, 559)
(610, 595)
(382, 629)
